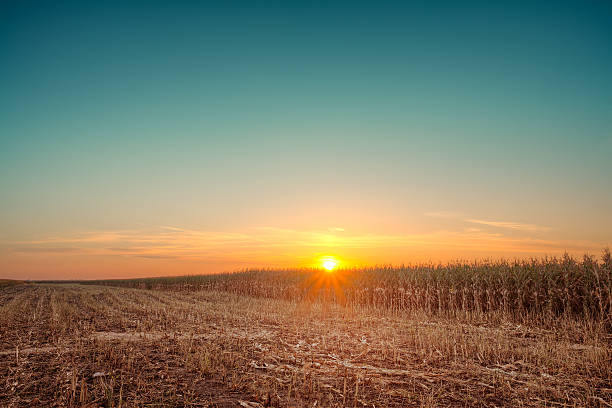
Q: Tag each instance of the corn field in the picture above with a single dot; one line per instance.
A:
(538, 289)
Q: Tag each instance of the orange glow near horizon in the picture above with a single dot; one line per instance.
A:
(165, 251)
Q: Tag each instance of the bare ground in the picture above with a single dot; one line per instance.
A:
(71, 345)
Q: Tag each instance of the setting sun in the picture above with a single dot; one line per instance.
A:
(330, 264)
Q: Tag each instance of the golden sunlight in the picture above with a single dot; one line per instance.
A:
(329, 263)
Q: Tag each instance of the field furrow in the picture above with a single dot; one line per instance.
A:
(70, 345)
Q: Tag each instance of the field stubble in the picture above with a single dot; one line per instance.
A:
(77, 345)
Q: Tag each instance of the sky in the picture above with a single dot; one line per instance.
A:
(169, 138)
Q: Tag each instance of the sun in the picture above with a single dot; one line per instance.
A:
(329, 264)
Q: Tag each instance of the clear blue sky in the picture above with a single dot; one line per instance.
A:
(388, 120)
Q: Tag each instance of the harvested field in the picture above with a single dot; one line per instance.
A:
(9, 282)
(76, 345)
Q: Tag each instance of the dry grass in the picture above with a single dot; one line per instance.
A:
(533, 292)
(74, 345)
(9, 282)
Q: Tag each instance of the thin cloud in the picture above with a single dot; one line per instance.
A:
(272, 244)
(39, 249)
(155, 256)
(510, 225)
(335, 229)
(125, 250)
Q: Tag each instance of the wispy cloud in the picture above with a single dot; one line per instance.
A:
(510, 225)
(275, 245)
(43, 249)
(156, 256)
